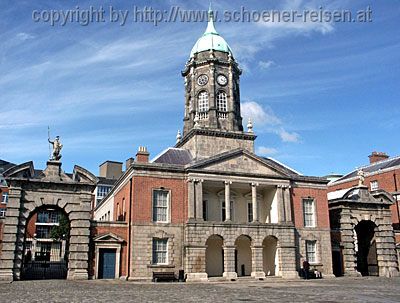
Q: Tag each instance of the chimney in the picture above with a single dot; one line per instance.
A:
(142, 155)
(110, 169)
(377, 156)
(129, 162)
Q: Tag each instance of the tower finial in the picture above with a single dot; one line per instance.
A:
(210, 26)
(250, 126)
(178, 136)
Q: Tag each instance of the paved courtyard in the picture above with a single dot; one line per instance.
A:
(327, 290)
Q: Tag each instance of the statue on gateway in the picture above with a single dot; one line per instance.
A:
(57, 146)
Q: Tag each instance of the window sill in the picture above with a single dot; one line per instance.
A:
(160, 266)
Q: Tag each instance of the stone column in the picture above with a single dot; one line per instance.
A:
(79, 216)
(195, 264)
(386, 249)
(229, 263)
(281, 204)
(227, 201)
(11, 255)
(257, 262)
(191, 198)
(287, 254)
(199, 199)
(287, 203)
(254, 201)
(347, 238)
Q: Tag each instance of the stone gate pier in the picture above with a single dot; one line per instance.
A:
(30, 190)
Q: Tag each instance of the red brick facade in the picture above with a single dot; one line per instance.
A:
(321, 205)
(107, 228)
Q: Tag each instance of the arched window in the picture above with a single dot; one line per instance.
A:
(203, 102)
(222, 102)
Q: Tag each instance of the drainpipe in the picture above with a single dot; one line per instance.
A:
(397, 202)
(129, 230)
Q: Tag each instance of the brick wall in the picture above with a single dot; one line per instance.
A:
(31, 226)
(103, 228)
(3, 190)
(1, 235)
(321, 204)
(143, 187)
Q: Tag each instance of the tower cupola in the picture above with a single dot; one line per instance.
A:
(210, 40)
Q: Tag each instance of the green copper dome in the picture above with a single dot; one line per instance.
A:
(210, 39)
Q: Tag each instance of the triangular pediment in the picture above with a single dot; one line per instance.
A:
(110, 237)
(240, 161)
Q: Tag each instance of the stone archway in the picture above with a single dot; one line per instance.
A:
(46, 244)
(365, 247)
(215, 256)
(243, 256)
(29, 191)
(270, 256)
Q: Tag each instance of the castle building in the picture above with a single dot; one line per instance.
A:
(209, 205)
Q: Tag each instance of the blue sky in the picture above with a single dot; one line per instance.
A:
(322, 95)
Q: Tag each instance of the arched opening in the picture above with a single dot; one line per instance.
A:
(215, 256)
(243, 256)
(46, 244)
(270, 256)
(365, 246)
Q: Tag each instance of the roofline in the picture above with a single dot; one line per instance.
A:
(117, 162)
(285, 166)
(341, 181)
(164, 151)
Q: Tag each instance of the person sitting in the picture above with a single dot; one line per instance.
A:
(317, 274)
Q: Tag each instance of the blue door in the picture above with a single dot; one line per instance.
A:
(107, 263)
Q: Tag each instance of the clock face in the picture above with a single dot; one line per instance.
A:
(202, 80)
(222, 80)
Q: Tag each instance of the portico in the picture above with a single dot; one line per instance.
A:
(250, 200)
(239, 226)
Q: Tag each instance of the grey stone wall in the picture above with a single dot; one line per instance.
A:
(142, 244)
(196, 235)
(203, 146)
(360, 205)
(324, 250)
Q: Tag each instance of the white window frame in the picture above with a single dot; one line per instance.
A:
(3, 212)
(309, 212)
(203, 102)
(222, 101)
(157, 250)
(4, 198)
(374, 185)
(168, 199)
(311, 251)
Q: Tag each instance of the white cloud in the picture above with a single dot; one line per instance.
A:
(289, 137)
(302, 25)
(266, 151)
(264, 118)
(258, 114)
(266, 64)
(25, 36)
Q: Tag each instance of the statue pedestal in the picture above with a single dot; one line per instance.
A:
(53, 171)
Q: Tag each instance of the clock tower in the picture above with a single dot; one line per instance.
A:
(212, 98)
